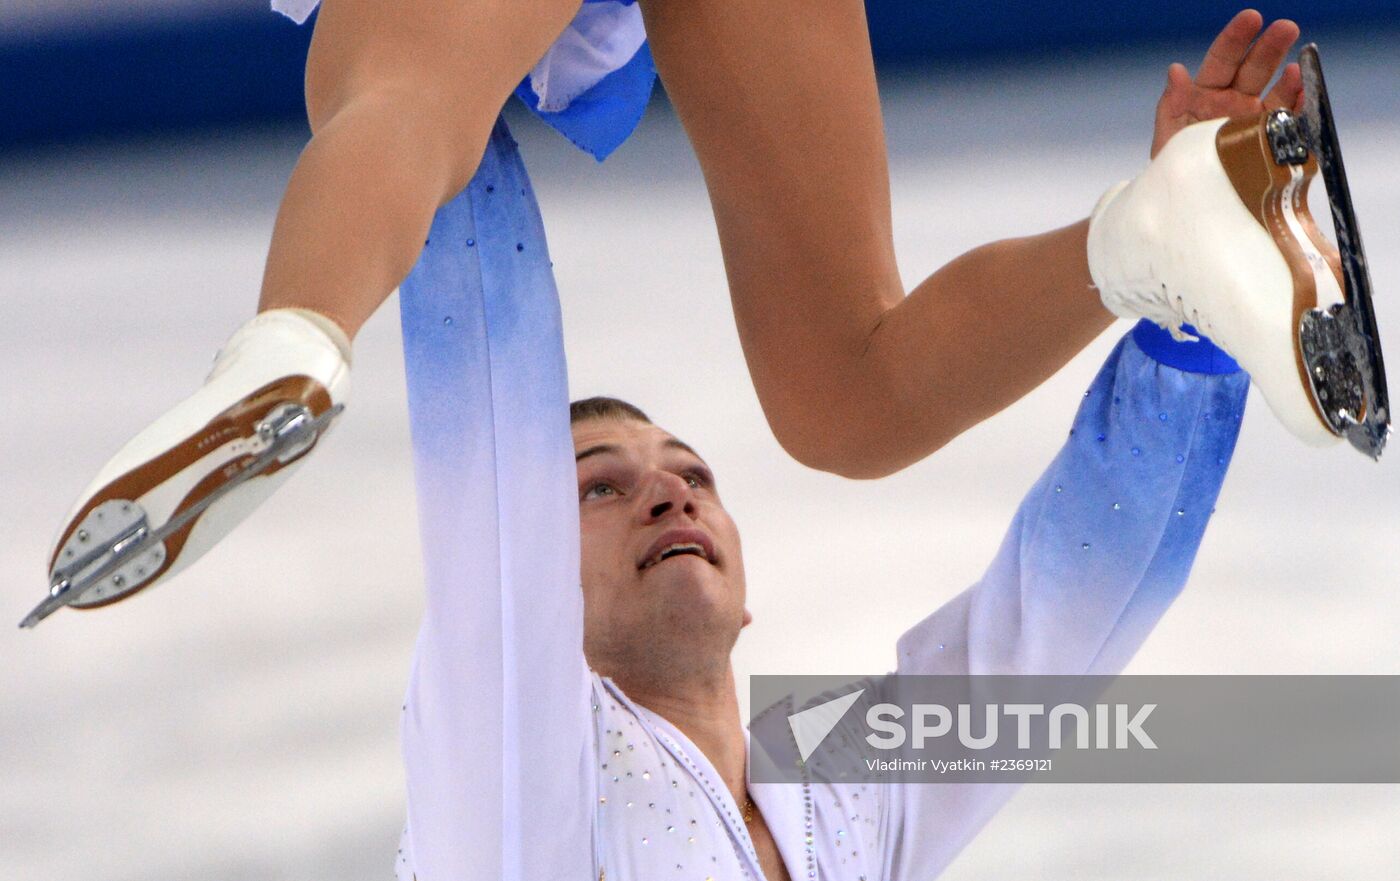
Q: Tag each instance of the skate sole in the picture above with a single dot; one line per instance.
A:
(210, 458)
(1276, 193)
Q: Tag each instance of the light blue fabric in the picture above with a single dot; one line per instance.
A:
(599, 120)
(602, 118)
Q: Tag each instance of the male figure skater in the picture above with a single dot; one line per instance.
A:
(552, 732)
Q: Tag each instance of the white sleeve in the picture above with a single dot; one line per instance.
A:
(1101, 546)
(497, 724)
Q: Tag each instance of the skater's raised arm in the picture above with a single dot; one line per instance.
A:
(497, 721)
(786, 122)
(1105, 539)
(1101, 546)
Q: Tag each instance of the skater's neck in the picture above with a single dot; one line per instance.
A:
(706, 710)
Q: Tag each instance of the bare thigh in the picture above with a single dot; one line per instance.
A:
(780, 102)
(401, 97)
(454, 60)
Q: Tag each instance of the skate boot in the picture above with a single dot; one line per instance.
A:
(179, 486)
(1216, 233)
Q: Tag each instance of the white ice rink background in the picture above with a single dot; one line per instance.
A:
(240, 722)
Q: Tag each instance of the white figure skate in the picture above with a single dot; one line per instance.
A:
(179, 486)
(1217, 233)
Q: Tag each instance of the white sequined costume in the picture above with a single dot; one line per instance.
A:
(524, 765)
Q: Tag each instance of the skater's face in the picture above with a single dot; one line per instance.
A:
(661, 564)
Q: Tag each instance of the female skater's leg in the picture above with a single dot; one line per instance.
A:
(401, 101)
(779, 98)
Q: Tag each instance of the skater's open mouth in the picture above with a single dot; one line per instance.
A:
(679, 542)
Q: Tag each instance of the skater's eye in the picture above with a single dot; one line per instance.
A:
(599, 489)
(698, 478)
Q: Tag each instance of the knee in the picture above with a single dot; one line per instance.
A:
(408, 121)
(408, 99)
(401, 88)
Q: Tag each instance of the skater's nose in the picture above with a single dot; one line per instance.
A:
(666, 492)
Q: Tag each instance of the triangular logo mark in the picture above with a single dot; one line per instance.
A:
(811, 726)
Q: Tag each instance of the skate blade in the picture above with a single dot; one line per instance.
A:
(114, 552)
(1341, 345)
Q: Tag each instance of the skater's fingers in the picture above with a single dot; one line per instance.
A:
(1176, 96)
(1174, 108)
(1223, 58)
(1287, 93)
(1263, 60)
(1178, 81)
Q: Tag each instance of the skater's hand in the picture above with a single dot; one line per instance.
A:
(1232, 78)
